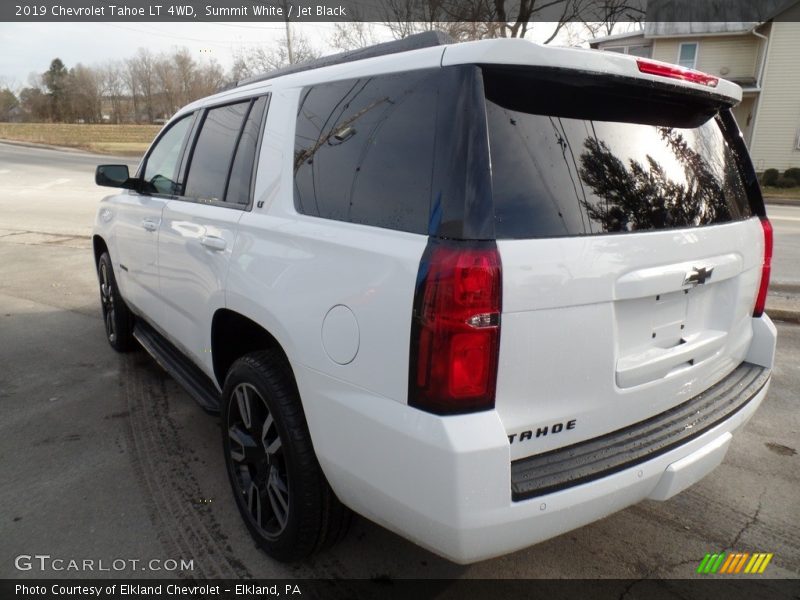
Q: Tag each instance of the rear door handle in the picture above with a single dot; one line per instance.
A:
(213, 243)
(149, 224)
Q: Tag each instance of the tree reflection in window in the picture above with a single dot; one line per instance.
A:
(555, 176)
(364, 150)
(641, 196)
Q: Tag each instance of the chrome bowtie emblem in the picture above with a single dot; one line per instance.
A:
(698, 276)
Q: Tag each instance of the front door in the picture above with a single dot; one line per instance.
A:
(139, 222)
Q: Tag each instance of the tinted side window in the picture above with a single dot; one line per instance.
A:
(242, 170)
(213, 151)
(162, 164)
(364, 150)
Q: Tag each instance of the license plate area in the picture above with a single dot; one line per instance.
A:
(661, 335)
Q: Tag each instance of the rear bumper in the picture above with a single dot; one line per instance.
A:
(625, 448)
(445, 482)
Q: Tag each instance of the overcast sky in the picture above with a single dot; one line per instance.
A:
(27, 48)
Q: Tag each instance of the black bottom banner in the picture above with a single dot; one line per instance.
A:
(414, 589)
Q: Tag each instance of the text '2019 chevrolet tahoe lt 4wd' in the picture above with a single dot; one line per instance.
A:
(479, 293)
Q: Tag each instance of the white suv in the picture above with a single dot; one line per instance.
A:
(479, 293)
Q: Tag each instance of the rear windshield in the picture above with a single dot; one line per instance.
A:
(580, 155)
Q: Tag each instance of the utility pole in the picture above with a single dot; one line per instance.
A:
(288, 36)
(289, 42)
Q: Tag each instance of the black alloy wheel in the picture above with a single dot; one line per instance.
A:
(256, 453)
(280, 490)
(117, 317)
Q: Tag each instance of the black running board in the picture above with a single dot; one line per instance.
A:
(173, 361)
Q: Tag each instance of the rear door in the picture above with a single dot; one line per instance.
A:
(631, 258)
(199, 227)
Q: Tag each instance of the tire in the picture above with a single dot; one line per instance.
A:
(280, 490)
(117, 317)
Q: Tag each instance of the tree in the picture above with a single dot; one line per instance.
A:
(210, 78)
(35, 104)
(462, 20)
(142, 73)
(84, 94)
(261, 59)
(8, 102)
(478, 19)
(131, 82)
(600, 18)
(180, 79)
(55, 80)
(517, 23)
(186, 72)
(638, 197)
(195, 79)
(166, 90)
(352, 35)
(33, 100)
(113, 84)
(141, 88)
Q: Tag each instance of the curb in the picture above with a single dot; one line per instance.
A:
(783, 302)
(783, 315)
(785, 288)
(782, 201)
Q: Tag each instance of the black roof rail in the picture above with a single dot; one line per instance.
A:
(427, 39)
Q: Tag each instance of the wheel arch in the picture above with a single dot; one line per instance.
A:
(99, 246)
(232, 336)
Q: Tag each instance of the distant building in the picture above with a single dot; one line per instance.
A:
(762, 57)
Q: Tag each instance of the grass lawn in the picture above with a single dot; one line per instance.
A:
(107, 139)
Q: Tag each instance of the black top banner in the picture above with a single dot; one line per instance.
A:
(739, 11)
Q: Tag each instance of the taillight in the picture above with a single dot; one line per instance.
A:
(455, 332)
(761, 299)
(652, 67)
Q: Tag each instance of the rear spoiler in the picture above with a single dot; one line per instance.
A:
(516, 52)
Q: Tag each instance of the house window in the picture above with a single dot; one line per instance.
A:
(687, 55)
(645, 51)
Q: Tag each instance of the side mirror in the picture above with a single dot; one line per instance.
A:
(113, 176)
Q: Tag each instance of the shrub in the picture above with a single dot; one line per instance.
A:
(785, 182)
(769, 177)
(793, 173)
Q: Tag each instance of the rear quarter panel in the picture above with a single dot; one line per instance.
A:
(289, 270)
